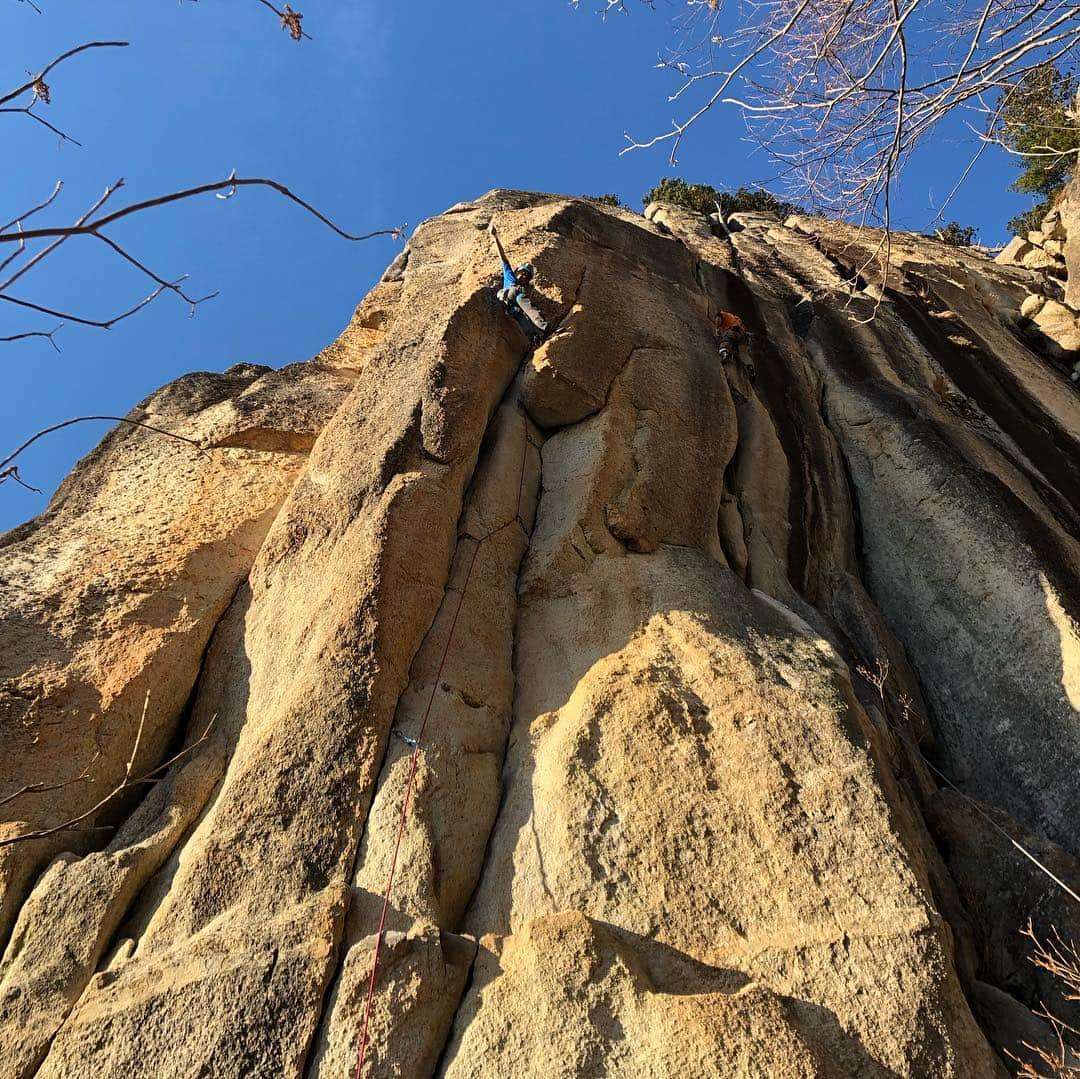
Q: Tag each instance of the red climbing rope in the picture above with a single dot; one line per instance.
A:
(415, 760)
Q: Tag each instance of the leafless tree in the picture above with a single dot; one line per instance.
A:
(26, 243)
(96, 220)
(10, 471)
(839, 93)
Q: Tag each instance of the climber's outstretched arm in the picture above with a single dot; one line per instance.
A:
(498, 243)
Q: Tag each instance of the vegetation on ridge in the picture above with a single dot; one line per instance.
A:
(706, 199)
(1040, 127)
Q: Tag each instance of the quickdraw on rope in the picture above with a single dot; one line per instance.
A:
(479, 541)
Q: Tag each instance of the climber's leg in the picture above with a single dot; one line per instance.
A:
(528, 309)
(728, 346)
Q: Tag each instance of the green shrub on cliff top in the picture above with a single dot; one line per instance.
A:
(704, 198)
(956, 235)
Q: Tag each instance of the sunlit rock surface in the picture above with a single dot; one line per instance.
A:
(660, 824)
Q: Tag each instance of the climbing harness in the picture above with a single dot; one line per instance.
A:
(417, 743)
(509, 296)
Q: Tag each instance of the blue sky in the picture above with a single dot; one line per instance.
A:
(392, 113)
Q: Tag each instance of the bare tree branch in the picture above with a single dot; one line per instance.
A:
(290, 20)
(89, 225)
(48, 334)
(109, 191)
(40, 91)
(127, 783)
(228, 185)
(34, 209)
(36, 82)
(18, 221)
(12, 473)
(39, 788)
(27, 110)
(839, 93)
(101, 324)
(92, 223)
(83, 419)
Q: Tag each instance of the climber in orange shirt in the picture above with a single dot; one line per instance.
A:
(730, 333)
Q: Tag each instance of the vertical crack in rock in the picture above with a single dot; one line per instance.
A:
(114, 591)
(345, 585)
(66, 924)
(951, 527)
(604, 726)
(457, 787)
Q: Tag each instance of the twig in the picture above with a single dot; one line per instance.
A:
(125, 784)
(840, 93)
(49, 248)
(38, 788)
(90, 225)
(38, 80)
(102, 324)
(48, 334)
(230, 182)
(34, 209)
(290, 20)
(83, 419)
(28, 110)
(12, 473)
(39, 88)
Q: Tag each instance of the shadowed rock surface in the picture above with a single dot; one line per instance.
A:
(659, 824)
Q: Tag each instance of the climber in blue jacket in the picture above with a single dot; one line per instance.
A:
(513, 293)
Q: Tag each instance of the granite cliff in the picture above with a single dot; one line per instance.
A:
(659, 823)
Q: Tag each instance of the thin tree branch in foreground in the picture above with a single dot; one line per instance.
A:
(90, 225)
(39, 788)
(5, 470)
(100, 324)
(47, 334)
(229, 186)
(290, 21)
(12, 473)
(1061, 960)
(109, 191)
(34, 209)
(37, 83)
(126, 783)
(838, 94)
(40, 90)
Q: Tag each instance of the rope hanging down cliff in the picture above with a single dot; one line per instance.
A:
(478, 541)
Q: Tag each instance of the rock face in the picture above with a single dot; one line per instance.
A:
(596, 610)
(1055, 258)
